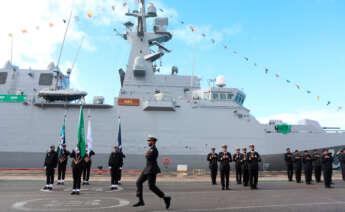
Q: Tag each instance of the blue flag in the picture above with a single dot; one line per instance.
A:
(119, 142)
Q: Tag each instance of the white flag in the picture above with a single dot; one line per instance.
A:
(89, 136)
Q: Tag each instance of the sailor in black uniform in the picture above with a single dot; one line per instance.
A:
(150, 173)
(308, 167)
(342, 163)
(50, 163)
(87, 165)
(238, 158)
(317, 165)
(288, 157)
(327, 161)
(115, 163)
(63, 159)
(245, 170)
(253, 166)
(225, 159)
(77, 168)
(298, 166)
(212, 158)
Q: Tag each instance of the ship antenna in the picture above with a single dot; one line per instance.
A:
(193, 66)
(77, 54)
(63, 41)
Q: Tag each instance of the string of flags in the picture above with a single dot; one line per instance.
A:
(267, 71)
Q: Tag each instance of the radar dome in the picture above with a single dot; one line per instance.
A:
(220, 81)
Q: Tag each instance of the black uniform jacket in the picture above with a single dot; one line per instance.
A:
(116, 159)
(89, 156)
(238, 158)
(212, 158)
(342, 159)
(316, 160)
(225, 159)
(253, 159)
(51, 159)
(77, 161)
(245, 161)
(298, 161)
(307, 161)
(288, 157)
(327, 162)
(151, 161)
(64, 157)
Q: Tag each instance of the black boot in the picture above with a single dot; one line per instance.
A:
(167, 201)
(138, 204)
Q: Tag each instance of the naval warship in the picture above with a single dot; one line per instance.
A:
(187, 120)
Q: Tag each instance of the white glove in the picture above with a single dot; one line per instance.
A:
(45, 168)
(120, 168)
(109, 167)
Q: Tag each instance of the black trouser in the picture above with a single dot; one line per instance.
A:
(115, 175)
(120, 174)
(317, 172)
(289, 169)
(224, 177)
(152, 185)
(50, 175)
(253, 176)
(298, 171)
(76, 171)
(245, 176)
(308, 173)
(214, 175)
(327, 177)
(61, 170)
(238, 173)
(343, 170)
(86, 171)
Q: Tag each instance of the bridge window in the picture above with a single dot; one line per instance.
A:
(230, 95)
(215, 96)
(3, 77)
(222, 96)
(46, 79)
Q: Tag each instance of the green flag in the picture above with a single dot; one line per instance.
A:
(81, 134)
(62, 138)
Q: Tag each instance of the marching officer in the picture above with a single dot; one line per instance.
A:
(298, 166)
(225, 159)
(77, 168)
(63, 159)
(253, 166)
(115, 163)
(150, 173)
(327, 161)
(212, 158)
(317, 165)
(288, 157)
(308, 167)
(245, 170)
(87, 166)
(238, 158)
(342, 163)
(50, 163)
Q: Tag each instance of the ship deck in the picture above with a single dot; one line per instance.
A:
(278, 195)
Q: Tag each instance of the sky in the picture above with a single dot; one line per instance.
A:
(301, 40)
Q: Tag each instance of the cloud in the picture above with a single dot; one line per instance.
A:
(326, 118)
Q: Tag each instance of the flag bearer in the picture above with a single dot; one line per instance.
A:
(317, 165)
(225, 159)
(253, 166)
(115, 163)
(63, 159)
(308, 167)
(77, 168)
(288, 157)
(212, 158)
(245, 170)
(50, 164)
(150, 173)
(327, 161)
(238, 158)
(298, 166)
(87, 165)
(342, 163)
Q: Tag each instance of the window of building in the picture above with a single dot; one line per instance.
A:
(46, 79)
(230, 95)
(3, 77)
(215, 96)
(222, 96)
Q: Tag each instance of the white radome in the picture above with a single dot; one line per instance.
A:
(220, 81)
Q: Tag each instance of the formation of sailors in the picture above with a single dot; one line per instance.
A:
(319, 163)
(246, 166)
